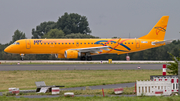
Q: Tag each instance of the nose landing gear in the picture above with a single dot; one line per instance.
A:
(22, 56)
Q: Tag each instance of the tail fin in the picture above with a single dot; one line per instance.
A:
(158, 31)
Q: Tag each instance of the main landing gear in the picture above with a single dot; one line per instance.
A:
(86, 56)
(89, 58)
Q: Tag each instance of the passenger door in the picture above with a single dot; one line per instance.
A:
(137, 43)
(28, 44)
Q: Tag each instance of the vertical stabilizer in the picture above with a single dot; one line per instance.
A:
(159, 30)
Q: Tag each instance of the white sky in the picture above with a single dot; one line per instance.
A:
(107, 18)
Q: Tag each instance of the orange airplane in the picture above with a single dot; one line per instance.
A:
(85, 48)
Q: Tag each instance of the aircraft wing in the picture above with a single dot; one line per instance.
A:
(92, 49)
(162, 42)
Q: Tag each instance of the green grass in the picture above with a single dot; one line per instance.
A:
(77, 78)
(126, 91)
(95, 98)
(71, 78)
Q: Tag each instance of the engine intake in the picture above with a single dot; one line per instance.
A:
(71, 54)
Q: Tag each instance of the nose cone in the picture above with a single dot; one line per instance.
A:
(7, 49)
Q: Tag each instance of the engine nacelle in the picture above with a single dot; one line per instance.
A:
(71, 54)
(59, 56)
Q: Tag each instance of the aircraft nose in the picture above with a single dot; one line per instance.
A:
(7, 49)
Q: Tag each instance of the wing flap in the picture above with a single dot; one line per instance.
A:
(92, 49)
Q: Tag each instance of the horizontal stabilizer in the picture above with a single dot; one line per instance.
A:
(163, 42)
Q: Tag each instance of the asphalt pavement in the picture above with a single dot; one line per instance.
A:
(102, 86)
(79, 67)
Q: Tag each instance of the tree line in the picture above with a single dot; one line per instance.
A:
(76, 26)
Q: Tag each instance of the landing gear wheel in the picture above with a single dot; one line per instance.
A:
(22, 56)
(89, 58)
(83, 58)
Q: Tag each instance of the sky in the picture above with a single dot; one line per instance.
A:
(107, 18)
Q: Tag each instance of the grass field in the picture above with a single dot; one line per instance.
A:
(87, 91)
(77, 78)
(71, 78)
(95, 98)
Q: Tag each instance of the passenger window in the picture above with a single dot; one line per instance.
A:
(44, 43)
(128, 42)
(81, 43)
(59, 43)
(73, 43)
(69, 43)
(66, 43)
(55, 43)
(62, 43)
(132, 42)
(91, 43)
(48, 43)
(51, 43)
(125, 42)
(88, 43)
(41, 43)
(84, 43)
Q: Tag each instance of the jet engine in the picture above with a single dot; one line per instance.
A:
(71, 54)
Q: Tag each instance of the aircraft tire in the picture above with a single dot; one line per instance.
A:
(83, 58)
(89, 58)
(22, 59)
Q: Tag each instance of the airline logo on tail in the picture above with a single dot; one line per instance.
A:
(158, 29)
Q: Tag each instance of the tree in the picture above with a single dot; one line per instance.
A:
(79, 35)
(42, 29)
(18, 35)
(54, 33)
(68, 23)
(173, 66)
(73, 23)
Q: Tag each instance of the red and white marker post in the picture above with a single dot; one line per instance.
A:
(128, 58)
(164, 70)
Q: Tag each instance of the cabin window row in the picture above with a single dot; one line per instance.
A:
(60, 43)
(128, 42)
(68, 43)
(79, 43)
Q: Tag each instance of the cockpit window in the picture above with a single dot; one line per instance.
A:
(16, 43)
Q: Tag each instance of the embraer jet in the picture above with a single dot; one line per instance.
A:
(85, 48)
